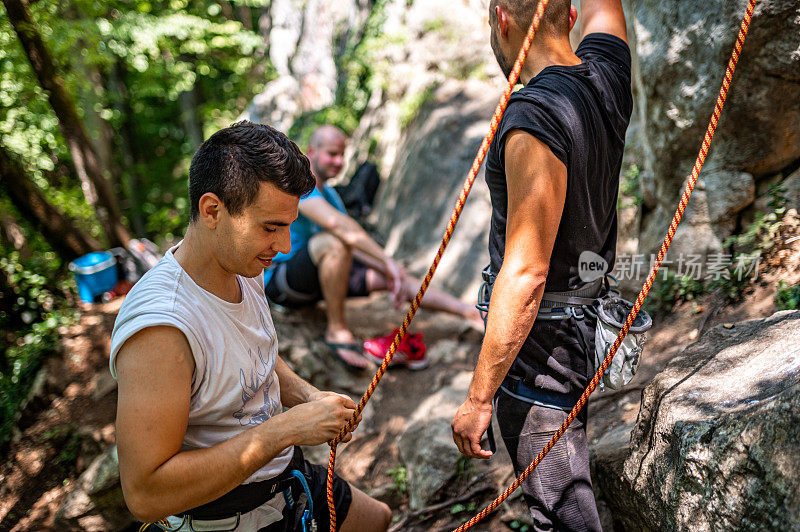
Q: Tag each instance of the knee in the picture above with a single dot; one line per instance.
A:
(324, 245)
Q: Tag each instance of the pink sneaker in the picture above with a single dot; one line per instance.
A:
(410, 352)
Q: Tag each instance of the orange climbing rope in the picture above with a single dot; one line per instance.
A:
(698, 165)
(451, 225)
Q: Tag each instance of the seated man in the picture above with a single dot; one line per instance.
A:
(332, 257)
(204, 441)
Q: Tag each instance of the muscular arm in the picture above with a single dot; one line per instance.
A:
(603, 16)
(342, 227)
(537, 185)
(154, 370)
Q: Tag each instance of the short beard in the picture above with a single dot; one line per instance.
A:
(504, 64)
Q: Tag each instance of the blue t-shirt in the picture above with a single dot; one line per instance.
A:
(303, 229)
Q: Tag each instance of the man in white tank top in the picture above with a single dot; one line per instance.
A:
(203, 438)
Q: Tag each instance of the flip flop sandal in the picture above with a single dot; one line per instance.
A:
(335, 348)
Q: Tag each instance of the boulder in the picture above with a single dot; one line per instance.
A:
(682, 54)
(426, 446)
(439, 147)
(716, 445)
(96, 501)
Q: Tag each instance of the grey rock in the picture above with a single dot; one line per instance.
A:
(728, 193)
(791, 190)
(682, 54)
(439, 147)
(96, 502)
(426, 446)
(716, 445)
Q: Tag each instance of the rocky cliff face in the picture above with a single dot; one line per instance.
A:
(682, 53)
(716, 445)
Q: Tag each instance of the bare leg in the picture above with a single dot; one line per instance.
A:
(434, 299)
(366, 514)
(334, 261)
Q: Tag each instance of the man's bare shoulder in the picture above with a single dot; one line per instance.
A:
(157, 348)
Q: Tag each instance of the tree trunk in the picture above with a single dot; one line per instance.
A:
(11, 235)
(245, 16)
(60, 231)
(131, 155)
(265, 26)
(96, 188)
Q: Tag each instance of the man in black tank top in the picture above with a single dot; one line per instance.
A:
(553, 175)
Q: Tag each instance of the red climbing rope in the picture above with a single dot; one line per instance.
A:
(687, 192)
(451, 225)
(501, 106)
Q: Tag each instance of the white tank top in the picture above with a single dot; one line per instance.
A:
(234, 384)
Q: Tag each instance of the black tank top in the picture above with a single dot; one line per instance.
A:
(581, 113)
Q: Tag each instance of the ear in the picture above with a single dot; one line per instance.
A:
(573, 16)
(502, 21)
(210, 209)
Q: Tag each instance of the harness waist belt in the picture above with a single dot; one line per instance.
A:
(561, 401)
(245, 497)
(585, 295)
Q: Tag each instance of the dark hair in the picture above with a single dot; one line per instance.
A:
(234, 161)
(555, 20)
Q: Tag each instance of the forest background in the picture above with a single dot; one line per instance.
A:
(102, 105)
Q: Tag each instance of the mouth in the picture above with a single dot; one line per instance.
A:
(266, 262)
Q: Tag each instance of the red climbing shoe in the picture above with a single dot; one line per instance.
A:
(411, 351)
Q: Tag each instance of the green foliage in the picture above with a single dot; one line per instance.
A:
(630, 191)
(788, 296)
(746, 249)
(464, 466)
(359, 73)
(460, 508)
(519, 526)
(133, 68)
(399, 477)
(40, 305)
(69, 442)
(671, 288)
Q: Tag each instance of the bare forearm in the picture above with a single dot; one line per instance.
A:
(191, 478)
(352, 234)
(369, 260)
(514, 305)
(294, 390)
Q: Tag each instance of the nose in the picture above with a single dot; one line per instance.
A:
(283, 242)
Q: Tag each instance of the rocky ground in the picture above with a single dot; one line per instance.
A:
(401, 453)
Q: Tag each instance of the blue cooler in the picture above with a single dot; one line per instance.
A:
(95, 274)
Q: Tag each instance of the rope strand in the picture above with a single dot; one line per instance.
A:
(451, 225)
(501, 106)
(687, 193)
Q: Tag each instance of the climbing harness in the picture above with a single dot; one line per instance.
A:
(637, 305)
(601, 301)
(286, 498)
(307, 521)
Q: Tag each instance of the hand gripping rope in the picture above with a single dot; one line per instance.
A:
(501, 106)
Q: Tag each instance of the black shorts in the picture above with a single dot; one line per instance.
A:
(295, 282)
(316, 477)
